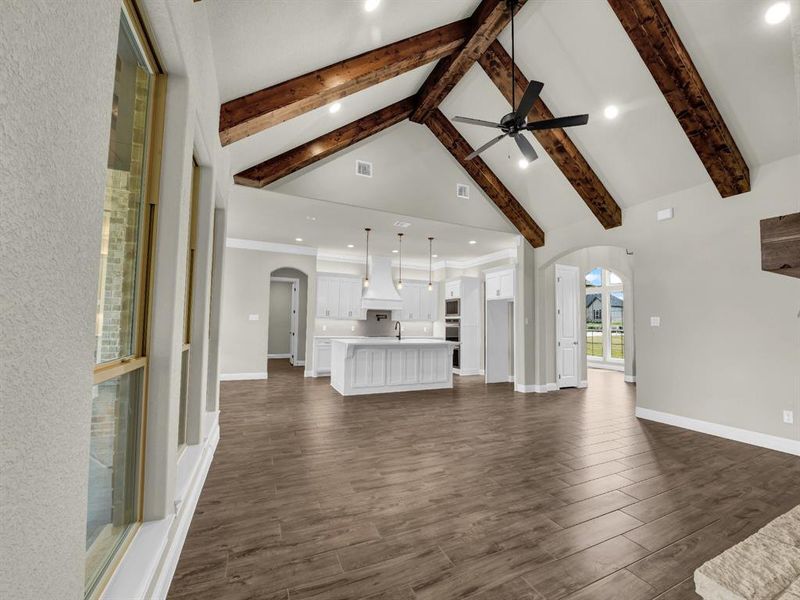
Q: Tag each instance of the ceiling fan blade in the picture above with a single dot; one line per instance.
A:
(487, 145)
(558, 122)
(475, 122)
(525, 147)
(528, 98)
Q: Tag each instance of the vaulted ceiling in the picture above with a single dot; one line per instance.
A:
(584, 56)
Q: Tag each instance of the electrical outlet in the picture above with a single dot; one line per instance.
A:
(254, 317)
(352, 327)
(324, 328)
(424, 330)
(788, 416)
(655, 321)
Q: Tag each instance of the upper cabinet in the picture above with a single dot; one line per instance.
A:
(339, 297)
(419, 303)
(452, 289)
(500, 284)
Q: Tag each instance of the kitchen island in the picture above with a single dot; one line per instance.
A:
(383, 365)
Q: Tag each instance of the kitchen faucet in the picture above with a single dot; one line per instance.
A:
(399, 329)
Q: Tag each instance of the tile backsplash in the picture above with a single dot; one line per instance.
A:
(371, 327)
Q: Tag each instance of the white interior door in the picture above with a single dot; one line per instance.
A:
(498, 341)
(294, 324)
(567, 329)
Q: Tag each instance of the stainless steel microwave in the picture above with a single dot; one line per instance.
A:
(452, 308)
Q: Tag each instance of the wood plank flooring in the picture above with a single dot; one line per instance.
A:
(476, 492)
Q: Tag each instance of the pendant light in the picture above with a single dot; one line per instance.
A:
(430, 264)
(366, 260)
(400, 252)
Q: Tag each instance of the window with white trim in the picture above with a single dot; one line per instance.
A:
(605, 325)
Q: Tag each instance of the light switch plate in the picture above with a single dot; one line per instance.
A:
(788, 416)
(655, 321)
(254, 317)
(324, 328)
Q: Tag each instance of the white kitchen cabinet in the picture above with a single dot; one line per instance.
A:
(339, 298)
(428, 303)
(322, 357)
(350, 299)
(452, 289)
(500, 285)
(410, 294)
(419, 303)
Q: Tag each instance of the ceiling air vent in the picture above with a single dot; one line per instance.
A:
(462, 190)
(363, 168)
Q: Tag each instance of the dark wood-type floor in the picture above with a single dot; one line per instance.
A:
(476, 492)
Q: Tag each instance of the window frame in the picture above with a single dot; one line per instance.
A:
(138, 359)
(605, 290)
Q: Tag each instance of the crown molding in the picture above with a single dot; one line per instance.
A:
(269, 247)
(470, 263)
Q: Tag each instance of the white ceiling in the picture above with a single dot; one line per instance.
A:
(280, 218)
(258, 43)
(578, 49)
(413, 174)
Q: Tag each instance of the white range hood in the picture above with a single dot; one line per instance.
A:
(381, 293)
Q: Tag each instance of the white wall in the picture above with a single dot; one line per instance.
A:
(728, 349)
(57, 77)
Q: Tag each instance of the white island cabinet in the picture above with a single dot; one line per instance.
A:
(381, 365)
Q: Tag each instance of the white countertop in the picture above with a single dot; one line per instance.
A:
(393, 341)
(367, 337)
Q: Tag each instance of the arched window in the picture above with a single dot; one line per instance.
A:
(605, 331)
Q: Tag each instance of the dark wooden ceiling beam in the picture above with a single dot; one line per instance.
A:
(482, 175)
(485, 25)
(265, 108)
(497, 64)
(307, 154)
(667, 59)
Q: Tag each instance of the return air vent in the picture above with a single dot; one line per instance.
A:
(462, 190)
(363, 168)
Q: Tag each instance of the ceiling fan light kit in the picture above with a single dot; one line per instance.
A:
(515, 123)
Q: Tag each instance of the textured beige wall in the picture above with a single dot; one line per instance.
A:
(58, 76)
(243, 345)
(728, 349)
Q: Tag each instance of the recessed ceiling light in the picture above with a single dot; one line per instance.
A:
(394, 251)
(334, 108)
(350, 246)
(298, 239)
(472, 242)
(371, 5)
(435, 256)
(523, 164)
(777, 13)
(610, 112)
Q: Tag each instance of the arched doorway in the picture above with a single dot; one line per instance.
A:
(602, 299)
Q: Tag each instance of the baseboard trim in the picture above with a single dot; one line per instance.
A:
(299, 363)
(630, 378)
(583, 384)
(307, 373)
(467, 372)
(242, 376)
(746, 436)
(279, 356)
(147, 568)
(535, 388)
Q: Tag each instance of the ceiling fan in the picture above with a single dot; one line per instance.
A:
(515, 123)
